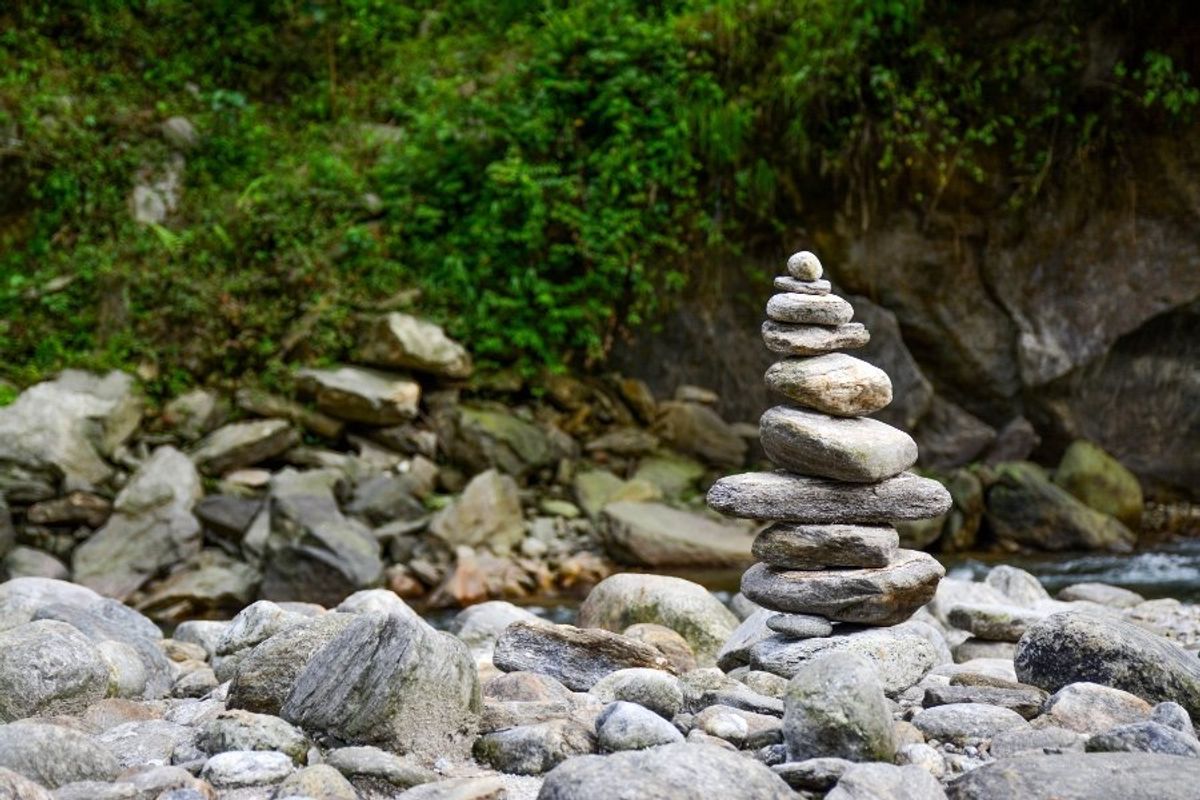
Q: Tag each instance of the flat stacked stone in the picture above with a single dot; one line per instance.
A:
(832, 555)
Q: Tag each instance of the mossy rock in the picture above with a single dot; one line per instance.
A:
(1101, 482)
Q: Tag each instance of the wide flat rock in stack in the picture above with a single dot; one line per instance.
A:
(856, 450)
(812, 340)
(875, 596)
(819, 546)
(786, 283)
(809, 309)
(836, 384)
(809, 501)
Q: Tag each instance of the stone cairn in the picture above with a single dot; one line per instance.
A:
(831, 555)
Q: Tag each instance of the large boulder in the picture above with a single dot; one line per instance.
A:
(1026, 508)
(1101, 482)
(151, 529)
(66, 427)
(1080, 776)
(1072, 646)
(700, 772)
(402, 340)
(314, 552)
(835, 706)
(488, 513)
(688, 608)
(655, 535)
(48, 667)
(54, 755)
(391, 681)
(361, 395)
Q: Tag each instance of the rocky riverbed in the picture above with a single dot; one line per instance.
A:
(993, 690)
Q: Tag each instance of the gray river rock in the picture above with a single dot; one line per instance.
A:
(795, 498)
(876, 596)
(818, 546)
(812, 340)
(809, 309)
(857, 450)
(836, 384)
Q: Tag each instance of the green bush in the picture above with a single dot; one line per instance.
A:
(548, 174)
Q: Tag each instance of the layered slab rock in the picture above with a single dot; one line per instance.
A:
(809, 309)
(855, 450)
(578, 657)
(359, 394)
(810, 501)
(882, 596)
(818, 546)
(836, 384)
(812, 340)
(786, 283)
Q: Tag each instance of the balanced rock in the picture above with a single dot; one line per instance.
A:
(875, 596)
(836, 384)
(856, 450)
(804, 266)
(786, 283)
(812, 340)
(809, 309)
(800, 626)
(797, 498)
(818, 546)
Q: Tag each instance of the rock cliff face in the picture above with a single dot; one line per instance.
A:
(1079, 314)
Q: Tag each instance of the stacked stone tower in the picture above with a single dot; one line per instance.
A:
(831, 555)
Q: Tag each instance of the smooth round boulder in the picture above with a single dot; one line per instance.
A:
(857, 450)
(688, 608)
(695, 771)
(878, 596)
(835, 706)
(836, 384)
(1074, 646)
(54, 755)
(48, 667)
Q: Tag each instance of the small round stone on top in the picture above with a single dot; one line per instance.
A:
(804, 266)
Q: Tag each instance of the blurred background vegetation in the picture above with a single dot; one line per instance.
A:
(546, 174)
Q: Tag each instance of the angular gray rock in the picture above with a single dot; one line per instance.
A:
(244, 730)
(810, 501)
(315, 552)
(1027, 701)
(536, 748)
(54, 755)
(318, 781)
(48, 667)
(961, 722)
(857, 450)
(375, 771)
(579, 657)
(652, 689)
(487, 513)
(1082, 776)
(480, 625)
(629, 726)
(698, 772)
(657, 535)
(809, 309)
(698, 430)
(752, 630)
(151, 529)
(817, 546)
(995, 623)
(1092, 708)
(14, 786)
(835, 706)
(900, 657)
(812, 340)
(685, 607)
(391, 681)
(836, 384)
(1074, 646)
(878, 596)
(263, 678)
(402, 340)
(1101, 593)
(242, 444)
(363, 395)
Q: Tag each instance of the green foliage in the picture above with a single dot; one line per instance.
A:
(547, 173)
